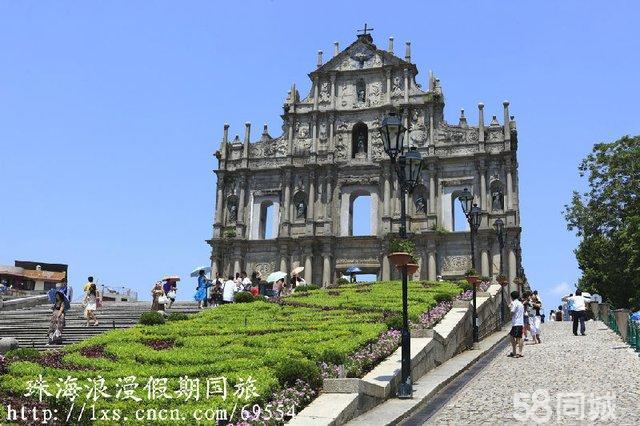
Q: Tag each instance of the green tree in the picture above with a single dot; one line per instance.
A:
(607, 218)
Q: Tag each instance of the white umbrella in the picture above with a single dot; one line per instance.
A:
(275, 276)
(196, 271)
(297, 270)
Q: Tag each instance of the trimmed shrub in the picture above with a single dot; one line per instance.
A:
(306, 287)
(23, 354)
(394, 322)
(288, 371)
(333, 356)
(177, 316)
(442, 297)
(244, 297)
(465, 285)
(151, 318)
(342, 281)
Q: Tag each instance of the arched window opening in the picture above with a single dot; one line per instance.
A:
(360, 140)
(359, 216)
(232, 209)
(459, 221)
(361, 91)
(267, 211)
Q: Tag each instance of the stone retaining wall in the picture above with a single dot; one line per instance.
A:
(344, 399)
(23, 302)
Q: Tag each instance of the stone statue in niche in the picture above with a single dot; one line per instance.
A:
(420, 204)
(301, 210)
(361, 91)
(233, 212)
(396, 86)
(497, 199)
(360, 143)
(323, 131)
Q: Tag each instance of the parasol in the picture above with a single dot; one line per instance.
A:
(275, 276)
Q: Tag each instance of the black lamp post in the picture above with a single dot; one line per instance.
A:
(407, 167)
(499, 227)
(472, 212)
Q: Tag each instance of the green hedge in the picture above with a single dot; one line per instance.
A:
(151, 318)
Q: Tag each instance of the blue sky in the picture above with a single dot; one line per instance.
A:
(110, 112)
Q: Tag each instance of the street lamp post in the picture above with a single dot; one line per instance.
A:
(499, 227)
(472, 212)
(407, 167)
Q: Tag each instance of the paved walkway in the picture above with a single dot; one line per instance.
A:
(593, 379)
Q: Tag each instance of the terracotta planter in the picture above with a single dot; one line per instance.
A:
(412, 268)
(473, 279)
(399, 258)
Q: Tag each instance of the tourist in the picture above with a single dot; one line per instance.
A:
(570, 306)
(202, 289)
(527, 305)
(536, 320)
(517, 325)
(216, 291)
(229, 291)
(88, 284)
(559, 313)
(278, 286)
(170, 288)
(91, 302)
(246, 282)
(579, 308)
(56, 326)
(157, 297)
(352, 278)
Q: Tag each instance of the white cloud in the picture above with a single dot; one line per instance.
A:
(561, 289)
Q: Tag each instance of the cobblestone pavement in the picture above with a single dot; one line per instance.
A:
(592, 379)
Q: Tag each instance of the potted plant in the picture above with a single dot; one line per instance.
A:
(400, 252)
(502, 280)
(472, 276)
(412, 266)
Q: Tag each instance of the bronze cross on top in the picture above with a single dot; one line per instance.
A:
(364, 31)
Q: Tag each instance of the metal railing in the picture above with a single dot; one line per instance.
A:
(633, 327)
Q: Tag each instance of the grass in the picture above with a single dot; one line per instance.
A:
(233, 341)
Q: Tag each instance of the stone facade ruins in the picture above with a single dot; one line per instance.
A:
(303, 183)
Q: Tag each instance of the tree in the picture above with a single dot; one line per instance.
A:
(607, 218)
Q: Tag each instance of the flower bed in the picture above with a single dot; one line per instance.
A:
(238, 342)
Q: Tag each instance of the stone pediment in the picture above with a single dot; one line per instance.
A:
(361, 54)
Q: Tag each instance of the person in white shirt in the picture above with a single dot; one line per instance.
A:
(579, 307)
(517, 325)
(229, 291)
(246, 281)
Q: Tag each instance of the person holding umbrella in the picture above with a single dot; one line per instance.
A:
(170, 288)
(202, 289)
(278, 279)
(352, 271)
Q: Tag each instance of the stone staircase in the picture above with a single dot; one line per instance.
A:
(30, 325)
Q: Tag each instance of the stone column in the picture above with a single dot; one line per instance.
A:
(406, 86)
(312, 196)
(387, 189)
(509, 185)
(247, 141)
(622, 319)
(386, 268)
(308, 273)
(224, 144)
(292, 125)
(287, 196)
(316, 81)
(328, 213)
(432, 191)
(243, 184)
(283, 259)
(432, 265)
(388, 72)
(333, 91)
(485, 262)
(507, 130)
(512, 266)
(482, 170)
(237, 258)
(220, 198)
(480, 122)
(314, 134)
(326, 266)
(332, 125)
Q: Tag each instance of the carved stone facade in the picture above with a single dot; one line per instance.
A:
(288, 201)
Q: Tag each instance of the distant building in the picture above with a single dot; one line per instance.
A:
(27, 277)
(117, 294)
